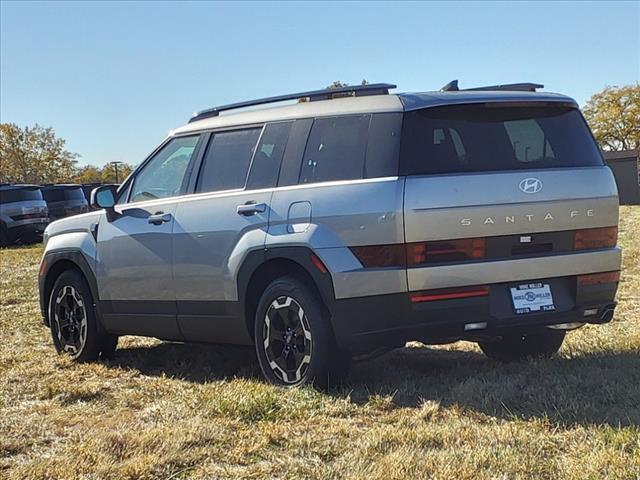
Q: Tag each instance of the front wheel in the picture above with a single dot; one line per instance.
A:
(294, 341)
(517, 347)
(73, 321)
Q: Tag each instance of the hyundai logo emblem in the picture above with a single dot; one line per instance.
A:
(530, 185)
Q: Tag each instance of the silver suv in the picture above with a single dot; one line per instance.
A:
(347, 224)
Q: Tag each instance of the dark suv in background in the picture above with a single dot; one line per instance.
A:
(23, 213)
(64, 200)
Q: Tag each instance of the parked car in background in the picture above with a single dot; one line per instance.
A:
(64, 200)
(341, 227)
(23, 214)
(87, 188)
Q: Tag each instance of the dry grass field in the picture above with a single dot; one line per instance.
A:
(166, 410)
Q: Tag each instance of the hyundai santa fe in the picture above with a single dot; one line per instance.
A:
(345, 223)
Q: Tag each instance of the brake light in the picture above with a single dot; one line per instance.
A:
(450, 293)
(445, 251)
(598, 278)
(595, 238)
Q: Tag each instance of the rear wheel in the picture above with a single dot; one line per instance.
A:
(73, 321)
(516, 347)
(294, 341)
(4, 238)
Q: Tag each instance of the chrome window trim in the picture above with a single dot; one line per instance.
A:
(226, 193)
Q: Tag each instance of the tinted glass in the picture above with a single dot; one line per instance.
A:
(227, 160)
(471, 138)
(163, 175)
(266, 162)
(62, 194)
(336, 149)
(383, 146)
(11, 195)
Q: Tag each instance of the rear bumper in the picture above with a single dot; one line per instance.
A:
(367, 323)
(27, 229)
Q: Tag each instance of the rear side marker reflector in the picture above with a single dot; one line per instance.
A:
(599, 278)
(450, 294)
(318, 263)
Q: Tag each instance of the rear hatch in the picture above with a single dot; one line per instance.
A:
(500, 192)
(22, 204)
(65, 200)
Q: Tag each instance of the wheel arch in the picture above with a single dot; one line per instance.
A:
(261, 267)
(52, 266)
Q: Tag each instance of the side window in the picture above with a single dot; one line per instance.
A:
(227, 160)
(336, 149)
(163, 175)
(268, 156)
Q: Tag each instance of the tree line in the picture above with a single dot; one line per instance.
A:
(36, 155)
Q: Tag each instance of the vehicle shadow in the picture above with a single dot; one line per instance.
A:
(191, 362)
(586, 389)
(594, 388)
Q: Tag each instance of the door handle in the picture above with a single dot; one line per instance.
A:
(251, 208)
(159, 218)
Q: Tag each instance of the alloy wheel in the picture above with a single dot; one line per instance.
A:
(70, 316)
(287, 339)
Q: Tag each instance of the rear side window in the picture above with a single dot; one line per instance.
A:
(266, 161)
(227, 160)
(489, 137)
(336, 149)
(11, 195)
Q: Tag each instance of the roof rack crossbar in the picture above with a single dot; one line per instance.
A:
(312, 95)
(511, 87)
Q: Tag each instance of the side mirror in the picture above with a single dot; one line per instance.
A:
(105, 197)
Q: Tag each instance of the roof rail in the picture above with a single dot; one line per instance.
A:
(313, 95)
(512, 87)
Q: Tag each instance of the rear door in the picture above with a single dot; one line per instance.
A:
(500, 182)
(220, 224)
(134, 271)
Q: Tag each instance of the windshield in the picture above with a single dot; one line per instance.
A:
(488, 137)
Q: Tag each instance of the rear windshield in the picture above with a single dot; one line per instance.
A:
(488, 137)
(11, 195)
(62, 194)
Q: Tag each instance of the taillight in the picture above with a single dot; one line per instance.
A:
(442, 251)
(371, 256)
(450, 293)
(591, 238)
(419, 253)
(598, 278)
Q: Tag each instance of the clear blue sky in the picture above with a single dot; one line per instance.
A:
(112, 78)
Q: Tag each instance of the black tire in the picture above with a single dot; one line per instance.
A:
(4, 238)
(517, 347)
(312, 357)
(73, 321)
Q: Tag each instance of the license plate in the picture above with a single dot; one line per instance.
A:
(532, 297)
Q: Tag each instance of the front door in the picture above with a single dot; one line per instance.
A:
(134, 270)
